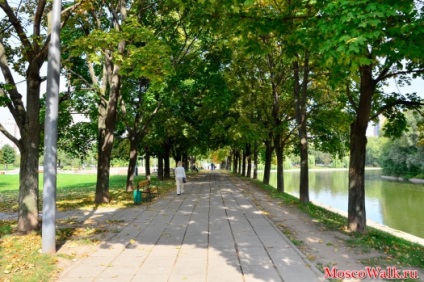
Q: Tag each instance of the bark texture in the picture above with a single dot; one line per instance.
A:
(300, 91)
(268, 157)
(358, 143)
(132, 165)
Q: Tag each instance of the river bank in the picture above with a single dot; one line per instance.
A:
(384, 202)
(379, 226)
(398, 233)
(394, 178)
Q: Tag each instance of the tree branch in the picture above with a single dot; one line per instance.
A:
(37, 22)
(383, 74)
(10, 136)
(85, 80)
(409, 104)
(393, 74)
(115, 17)
(147, 123)
(16, 105)
(17, 25)
(66, 14)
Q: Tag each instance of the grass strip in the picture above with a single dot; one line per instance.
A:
(398, 251)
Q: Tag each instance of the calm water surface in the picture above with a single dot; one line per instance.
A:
(399, 205)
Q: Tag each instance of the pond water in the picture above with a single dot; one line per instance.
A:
(399, 205)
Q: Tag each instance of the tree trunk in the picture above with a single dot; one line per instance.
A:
(356, 206)
(103, 169)
(166, 156)
(235, 161)
(105, 144)
(147, 162)
(301, 119)
(249, 160)
(358, 143)
(107, 122)
(28, 176)
(239, 162)
(28, 184)
(229, 161)
(30, 148)
(185, 161)
(279, 151)
(268, 159)
(160, 166)
(132, 162)
(276, 119)
(255, 161)
(243, 164)
(304, 169)
(28, 190)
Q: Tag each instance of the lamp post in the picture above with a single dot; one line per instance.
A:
(50, 136)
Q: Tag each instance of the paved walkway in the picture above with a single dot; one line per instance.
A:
(209, 233)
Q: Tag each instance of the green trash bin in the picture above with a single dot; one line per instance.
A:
(137, 196)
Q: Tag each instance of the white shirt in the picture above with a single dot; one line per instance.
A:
(179, 172)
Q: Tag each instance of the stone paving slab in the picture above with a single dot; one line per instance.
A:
(209, 233)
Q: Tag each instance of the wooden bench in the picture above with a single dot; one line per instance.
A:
(146, 190)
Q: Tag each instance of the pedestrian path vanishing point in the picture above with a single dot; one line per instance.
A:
(209, 233)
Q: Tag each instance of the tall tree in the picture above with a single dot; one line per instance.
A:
(108, 107)
(137, 112)
(112, 44)
(370, 42)
(24, 56)
(300, 47)
(244, 126)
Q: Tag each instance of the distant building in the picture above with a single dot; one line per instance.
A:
(10, 125)
(13, 129)
(374, 129)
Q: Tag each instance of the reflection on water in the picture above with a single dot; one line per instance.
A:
(392, 203)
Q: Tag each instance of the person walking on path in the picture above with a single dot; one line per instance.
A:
(179, 176)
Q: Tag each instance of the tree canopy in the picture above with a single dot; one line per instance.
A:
(179, 79)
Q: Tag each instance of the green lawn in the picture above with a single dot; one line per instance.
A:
(73, 190)
(10, 182)
(20, 259)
